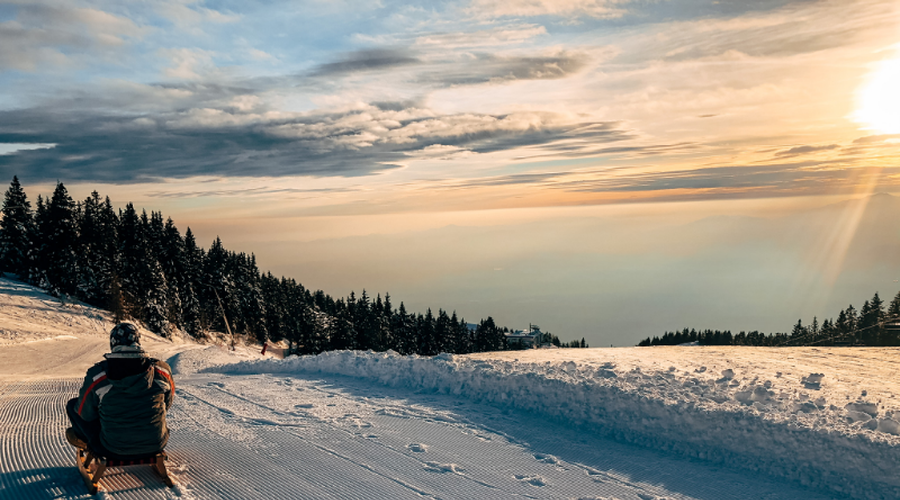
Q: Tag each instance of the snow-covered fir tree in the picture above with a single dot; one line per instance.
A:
(15, 231)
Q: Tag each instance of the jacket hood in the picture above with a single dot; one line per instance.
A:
(136, 383)
(130, 375)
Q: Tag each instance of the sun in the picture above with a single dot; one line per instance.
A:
(878, 99)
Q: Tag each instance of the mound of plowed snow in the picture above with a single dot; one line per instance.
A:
(800, 413)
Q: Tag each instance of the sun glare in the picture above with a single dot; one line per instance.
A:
(878, 99)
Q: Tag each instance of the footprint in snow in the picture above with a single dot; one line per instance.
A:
(547, 459)
(532, 479)
(443, 468)
(304, 405)
(597, 476)
(417, 448)
(215, 384)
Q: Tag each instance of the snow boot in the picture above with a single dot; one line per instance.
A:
(74, 440)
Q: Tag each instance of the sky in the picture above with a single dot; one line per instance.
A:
(607, 169)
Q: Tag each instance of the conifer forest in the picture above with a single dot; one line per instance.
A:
(141, 267)
(872, 325)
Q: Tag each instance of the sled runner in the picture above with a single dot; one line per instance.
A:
(92, 475)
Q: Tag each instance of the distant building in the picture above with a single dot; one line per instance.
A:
(893, 326)
(525, 339)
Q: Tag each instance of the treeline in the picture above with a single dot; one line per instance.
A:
(869, 326)
(139, 266)
(549, 338)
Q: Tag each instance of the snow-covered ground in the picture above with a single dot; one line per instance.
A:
(628, 423)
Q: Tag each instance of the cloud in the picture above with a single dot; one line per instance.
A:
(802, 150)
(242, 193)
(260, 55)
(778, 31)
(122, 148)
(718, 182)
(187, 14)
(12, 148)
(476, 69)
(602, 9)
(649, 183)
(877, 139)
(577, 148)
(188, 64)
(366, 60)
(437, 68)
(56, 35)
(494, 37)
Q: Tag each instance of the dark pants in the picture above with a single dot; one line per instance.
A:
(88, 431)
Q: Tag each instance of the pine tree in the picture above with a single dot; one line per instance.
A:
(253, 308)
(363, 323)
(132, 259)
(342, 333)
(387, 337)
(97, 250)
(37, 270)
(191, 289)
(841, 325)
(172, 260)
(851, 320)
(155, 313)
(427, 341)
(443, 332)
(403, 328)
(216, 288)
(59, 229)
(15, 231)
(190, 307)
(488, 337)
(798, 331)
(893, 311)
(874, 322)
(456, 341)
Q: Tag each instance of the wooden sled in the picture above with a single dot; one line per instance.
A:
(87, 458)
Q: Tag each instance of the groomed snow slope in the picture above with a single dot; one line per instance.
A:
(822, 417)
(626, 424)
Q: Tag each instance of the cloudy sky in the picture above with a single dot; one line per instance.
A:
(603, 168)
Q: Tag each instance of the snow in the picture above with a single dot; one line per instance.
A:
(627, 423)
(758, 408)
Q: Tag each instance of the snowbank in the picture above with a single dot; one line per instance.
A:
(740, 420)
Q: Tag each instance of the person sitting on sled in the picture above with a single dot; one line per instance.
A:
(121, 407)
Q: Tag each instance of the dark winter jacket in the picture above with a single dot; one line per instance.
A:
(130, 396)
